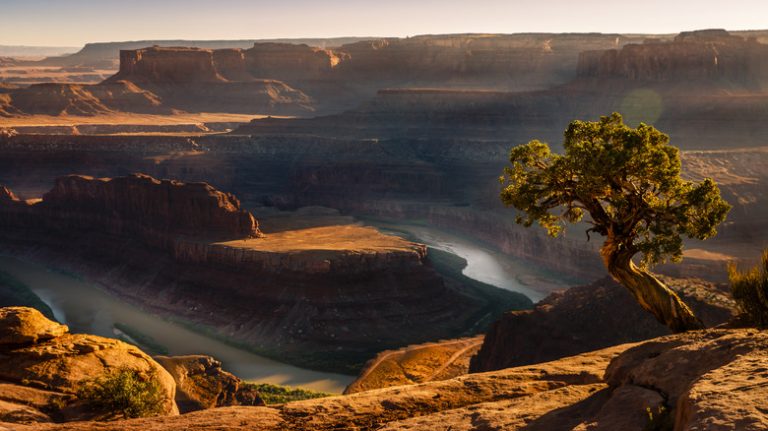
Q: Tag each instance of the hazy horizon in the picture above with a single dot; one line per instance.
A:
(73, 23)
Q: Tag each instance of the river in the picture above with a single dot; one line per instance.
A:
(483, 263)
(88, 309)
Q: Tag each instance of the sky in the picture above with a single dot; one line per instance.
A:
(76, 22)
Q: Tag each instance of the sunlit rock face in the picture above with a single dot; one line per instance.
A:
(45, 366)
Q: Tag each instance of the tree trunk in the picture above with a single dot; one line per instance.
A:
(649, 291)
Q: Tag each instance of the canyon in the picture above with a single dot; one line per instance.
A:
(338, 153)
(189, 251)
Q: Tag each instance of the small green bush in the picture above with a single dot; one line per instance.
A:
(750, 290)
(276, 394)
(125, 392)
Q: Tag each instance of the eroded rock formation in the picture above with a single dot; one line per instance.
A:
(44, 366)
(160, 212)
(699, 380)
(590, 317)
(168, 65)
(202, 384)
(420, 363)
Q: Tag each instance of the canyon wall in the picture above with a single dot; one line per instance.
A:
(167, 65)
(699, 56)
(289, 62)
(139, 206)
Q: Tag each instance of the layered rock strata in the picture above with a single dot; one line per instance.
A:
(138, 205)
(699, 56)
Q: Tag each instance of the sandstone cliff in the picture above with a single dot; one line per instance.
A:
(167, 65)
(706, 56)
(699, 380)
(138, 205)
(289, 62)
(590, 317)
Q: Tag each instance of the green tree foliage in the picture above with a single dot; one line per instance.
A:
(628, 181)
(750, 290)
(125, 392)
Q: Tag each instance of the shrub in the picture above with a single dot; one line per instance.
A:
(276, 394)
(125, 392)
(750, 290)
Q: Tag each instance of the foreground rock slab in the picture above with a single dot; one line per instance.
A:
(417, 364)
(590, 317)
(704, 380)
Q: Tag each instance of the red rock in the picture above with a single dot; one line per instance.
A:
(201, 384)
(167, 65)
(140, 204)
(586, 318)
(704, 56)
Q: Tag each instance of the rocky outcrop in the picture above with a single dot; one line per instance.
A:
(590, 317)
(202, 384)
(43, 367)
(138, 205)
(712, 380)
(21, 325)
(420, 363)
(162, 80)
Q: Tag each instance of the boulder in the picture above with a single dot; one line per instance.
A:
(41, 355)
(201, 383)
(23, 325)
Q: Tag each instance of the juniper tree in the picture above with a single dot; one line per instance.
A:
(627, 180)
